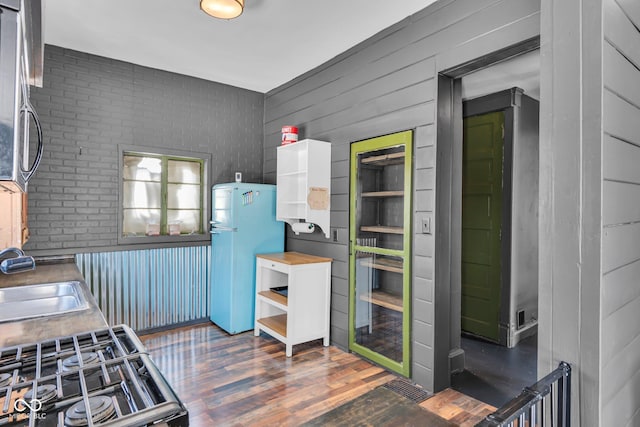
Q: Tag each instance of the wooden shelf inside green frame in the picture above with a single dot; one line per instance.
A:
(383, 194)
(382, 229)
(386, 264)
(384, 299)
(385, 159)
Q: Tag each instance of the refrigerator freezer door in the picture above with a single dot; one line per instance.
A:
(221, 208)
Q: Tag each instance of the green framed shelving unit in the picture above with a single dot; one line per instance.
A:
(380, 250)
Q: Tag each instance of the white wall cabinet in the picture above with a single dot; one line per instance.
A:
(304, 185)
(301, 313)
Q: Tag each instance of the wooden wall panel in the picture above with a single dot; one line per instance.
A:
(620, 337)
(615, 337)
(621, 161)
(352, 89)
(620, 118)
(620, 246)
(622, 32)
(620, 202)
(384, 85)
(619, 287)
(618, 71)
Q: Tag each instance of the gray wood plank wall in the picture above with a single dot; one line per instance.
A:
(620, 309)
(384, 85)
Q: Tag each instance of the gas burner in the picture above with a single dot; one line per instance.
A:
(5, 379)
(44, 393)
(101, 408)
(72, 363)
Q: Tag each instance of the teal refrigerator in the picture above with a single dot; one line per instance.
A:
(243, 224)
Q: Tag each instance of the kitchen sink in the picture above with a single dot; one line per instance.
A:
(22, 302)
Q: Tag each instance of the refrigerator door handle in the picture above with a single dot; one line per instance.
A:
(217, 230)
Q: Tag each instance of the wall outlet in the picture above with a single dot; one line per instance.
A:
(520, 318)
(426, 225)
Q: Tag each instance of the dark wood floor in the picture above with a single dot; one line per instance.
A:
(242, 380)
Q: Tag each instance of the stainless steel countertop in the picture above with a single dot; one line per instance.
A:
(40, 328)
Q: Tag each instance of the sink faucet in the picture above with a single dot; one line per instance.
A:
(17, 264)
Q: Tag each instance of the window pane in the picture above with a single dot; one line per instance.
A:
(137, 221)
(141, 194)
(142, 168)
(183, 196)
(189, 220)
(184, 171)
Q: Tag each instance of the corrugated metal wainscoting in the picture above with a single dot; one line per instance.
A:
(149, 288)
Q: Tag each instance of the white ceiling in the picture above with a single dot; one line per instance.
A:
(272, 42)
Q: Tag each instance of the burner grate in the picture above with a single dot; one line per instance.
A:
(408, 390)
(107, 370)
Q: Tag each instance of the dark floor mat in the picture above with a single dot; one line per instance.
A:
(380, 407)
(408, 390)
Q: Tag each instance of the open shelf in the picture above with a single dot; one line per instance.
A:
(385, 264)
(385, 159)
(274, 296)
(303, 179)
(382, 229)
(399, 193)
(383, 299)
(277, 324)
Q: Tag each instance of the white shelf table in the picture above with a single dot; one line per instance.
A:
(303, 314)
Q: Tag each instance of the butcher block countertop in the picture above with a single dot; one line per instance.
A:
(294, 258)
(35, 329)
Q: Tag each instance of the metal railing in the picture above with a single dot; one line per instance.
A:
(547, 403)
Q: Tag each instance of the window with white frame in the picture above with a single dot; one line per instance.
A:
(161, 195)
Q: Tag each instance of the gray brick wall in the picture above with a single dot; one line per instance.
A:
(89, 105)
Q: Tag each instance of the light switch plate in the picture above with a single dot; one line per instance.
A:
(426, 225)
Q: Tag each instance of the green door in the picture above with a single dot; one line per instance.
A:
(481, 223)
(380, 250)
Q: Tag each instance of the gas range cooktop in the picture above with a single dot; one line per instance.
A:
(96, 378)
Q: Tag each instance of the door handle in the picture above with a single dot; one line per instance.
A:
(219, 229)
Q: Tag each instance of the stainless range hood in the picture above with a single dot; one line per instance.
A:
(20, 60)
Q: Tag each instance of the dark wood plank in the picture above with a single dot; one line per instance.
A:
(379, 407)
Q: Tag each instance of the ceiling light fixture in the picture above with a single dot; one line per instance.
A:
(223, 9)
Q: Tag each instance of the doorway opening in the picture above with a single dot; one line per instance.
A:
(491, 124)
(499, 270)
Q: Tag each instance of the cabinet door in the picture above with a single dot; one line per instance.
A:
(380, 234)
(13, 227)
